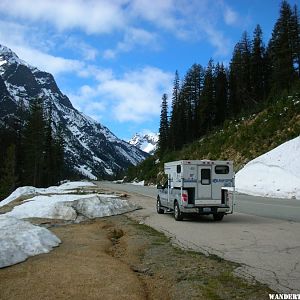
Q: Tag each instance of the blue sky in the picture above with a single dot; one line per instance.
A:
(114, 59)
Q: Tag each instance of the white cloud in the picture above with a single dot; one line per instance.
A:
(86, 51)
(133, 37)
(91, 16)
(183, 18)
(161, 13)
(46, 62)
(218, 40)
(136, 96)
(17, 37)
(230, 16)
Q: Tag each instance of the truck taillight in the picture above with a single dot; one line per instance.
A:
(184, 197)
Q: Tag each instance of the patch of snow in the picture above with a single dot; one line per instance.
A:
(69, 207)
(138, 183)
(25, 191)
(20, 239)
(2, 62)
(86, 171)
(75, 184)
(273, 174)
(51, 207)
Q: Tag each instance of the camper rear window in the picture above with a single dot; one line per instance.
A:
(221, 169)
(205, 176)
(178, 168)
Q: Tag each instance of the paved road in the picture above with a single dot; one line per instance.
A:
(285, 209)
(268, 249)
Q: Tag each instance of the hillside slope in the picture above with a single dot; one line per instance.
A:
(239, 140)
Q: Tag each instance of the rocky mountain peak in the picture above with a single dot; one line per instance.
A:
(91, 148)
(146, 142)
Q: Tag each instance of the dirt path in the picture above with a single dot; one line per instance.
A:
(117, 258)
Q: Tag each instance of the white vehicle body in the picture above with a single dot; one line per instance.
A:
(197, 186)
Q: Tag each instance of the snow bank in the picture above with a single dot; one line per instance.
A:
(20, 239)
(69, 207)
(25, 191)
(273, 174)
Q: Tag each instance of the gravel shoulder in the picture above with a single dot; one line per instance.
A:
(118, 258)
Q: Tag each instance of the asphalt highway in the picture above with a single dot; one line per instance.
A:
(262, 235)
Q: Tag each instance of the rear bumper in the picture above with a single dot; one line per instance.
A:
(206, 210)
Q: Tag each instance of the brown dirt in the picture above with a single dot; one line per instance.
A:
(116, 258)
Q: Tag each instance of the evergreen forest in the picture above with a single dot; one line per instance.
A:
(257, 73)
(32, 152)
(235, 112)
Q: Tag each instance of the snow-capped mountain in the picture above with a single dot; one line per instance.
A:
(91, 148)
(146, 142)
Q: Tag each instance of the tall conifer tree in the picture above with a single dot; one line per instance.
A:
(258, 72)
(163, 127)
(281, 49)
(34, 141)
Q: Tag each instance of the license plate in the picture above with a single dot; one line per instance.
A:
(206, 209)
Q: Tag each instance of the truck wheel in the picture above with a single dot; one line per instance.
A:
(218, 217)
(158, 207)
(177, 213)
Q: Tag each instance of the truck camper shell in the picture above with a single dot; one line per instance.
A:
(197, 186)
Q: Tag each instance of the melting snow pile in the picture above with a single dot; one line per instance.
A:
(26, 191)
(273, 174)
(20, 239)
(71, 207)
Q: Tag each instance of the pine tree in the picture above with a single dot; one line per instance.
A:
(240, 97)
(34, 141)
(258, 80)
(295, 32)
(163, 128)
(173, 142)
(281, 50)
(186, 107)
(58, 155)
(21, 116)
(8, 173)
(208, 105)
(221, 94)
(49, 177)
(196, 87)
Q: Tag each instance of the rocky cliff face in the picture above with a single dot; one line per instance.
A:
(91, 148)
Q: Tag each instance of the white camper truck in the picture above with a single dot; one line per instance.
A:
(197, 186)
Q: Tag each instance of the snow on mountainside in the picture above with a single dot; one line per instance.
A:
(273, 174)
(145, 142)
(91, 148)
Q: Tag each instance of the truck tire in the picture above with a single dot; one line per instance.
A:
(218, 216)
(158, 207)
(178, 216)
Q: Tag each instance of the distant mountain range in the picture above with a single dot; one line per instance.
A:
(146, 142)
(91, 148)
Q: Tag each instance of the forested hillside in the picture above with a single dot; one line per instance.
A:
(35, 155)
(235, 112)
